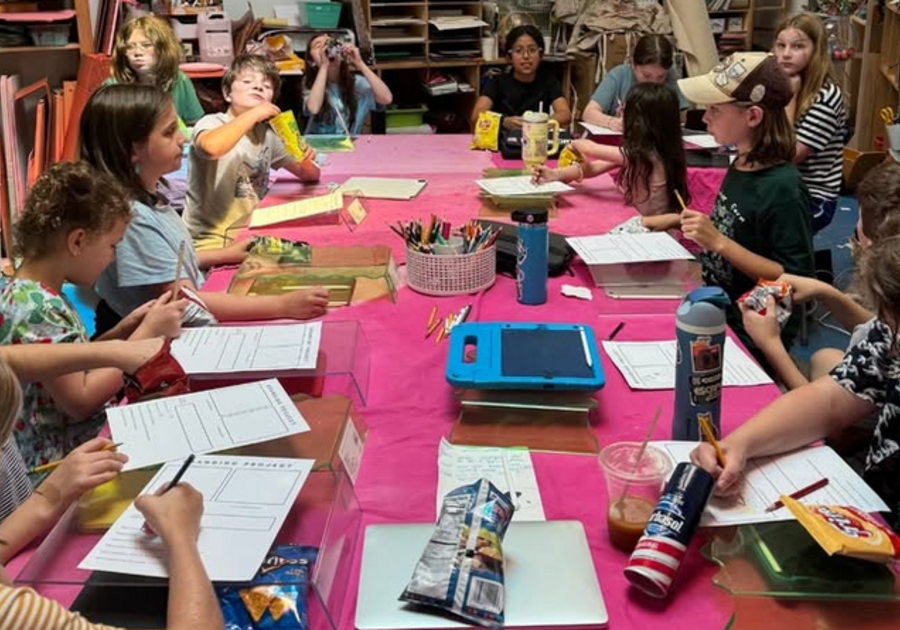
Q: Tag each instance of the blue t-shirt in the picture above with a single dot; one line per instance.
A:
(365, 102)
(614, 88)
(147, 256)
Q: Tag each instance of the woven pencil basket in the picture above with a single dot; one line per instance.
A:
(451, 275)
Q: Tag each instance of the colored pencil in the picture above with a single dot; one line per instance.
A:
(57, 462)
(802, 492)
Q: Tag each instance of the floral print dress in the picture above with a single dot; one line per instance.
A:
(31, 312)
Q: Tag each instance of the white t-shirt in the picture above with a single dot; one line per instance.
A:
(222, 192)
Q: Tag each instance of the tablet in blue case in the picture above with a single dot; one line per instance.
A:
(524, 356)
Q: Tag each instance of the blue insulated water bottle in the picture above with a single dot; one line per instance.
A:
(700, 332)
(531, 255)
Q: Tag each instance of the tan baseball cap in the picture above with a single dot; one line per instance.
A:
(748, 77)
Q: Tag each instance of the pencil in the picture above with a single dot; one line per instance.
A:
(187, 463)
(711, 438)
(178, 266)
(431, 318)
(615, 331)
(802, 492)
(57, 462)
(680, 200)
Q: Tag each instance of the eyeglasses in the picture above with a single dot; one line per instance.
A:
(142, 46)
(531, 51)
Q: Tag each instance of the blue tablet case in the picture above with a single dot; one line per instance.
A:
(524, 356)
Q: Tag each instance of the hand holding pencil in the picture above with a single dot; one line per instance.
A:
(93, 463)
(724, 462)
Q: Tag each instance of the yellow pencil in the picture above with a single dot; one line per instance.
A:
(680, 200)
(55, 463)
(711, 438)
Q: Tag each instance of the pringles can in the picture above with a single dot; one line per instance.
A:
(655, 561)
(699, 358)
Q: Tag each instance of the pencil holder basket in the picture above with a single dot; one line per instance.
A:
(451, 275)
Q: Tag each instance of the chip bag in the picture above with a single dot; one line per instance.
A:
(846, 531)
(755, 299)
(276, 599)
(487, 131)
(285, 126)
(461, 568)
(569, 156)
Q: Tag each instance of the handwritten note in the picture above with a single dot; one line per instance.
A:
(519, 185)
(651, 364)
(610, 249)
(296, 210)
(503, 467)
(767, 478)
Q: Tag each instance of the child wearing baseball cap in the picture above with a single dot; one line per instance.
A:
(759, 227)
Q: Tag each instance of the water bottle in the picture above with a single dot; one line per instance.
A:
(531, 255)
(700, 355)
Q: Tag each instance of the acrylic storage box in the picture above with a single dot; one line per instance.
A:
(342, 367)
(412, 117)
(50, 34)
(323, 14)
(326, 515)
(454, 274)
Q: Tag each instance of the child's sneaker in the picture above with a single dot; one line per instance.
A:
(631, 226)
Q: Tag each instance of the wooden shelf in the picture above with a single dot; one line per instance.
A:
(893, 8)
(890, 76)
(855, 19)
(38, 49)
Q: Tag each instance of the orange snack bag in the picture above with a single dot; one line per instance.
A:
(846, 531)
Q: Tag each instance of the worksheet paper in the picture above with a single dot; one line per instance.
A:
(651, 364)
(611, 249)
(245, 502)
(383, 187)
(273, 349)
(463, 465)
(597, 130)
(519, 185)
(168, 429)
(703, 140)
(297, 210)
(767, 478)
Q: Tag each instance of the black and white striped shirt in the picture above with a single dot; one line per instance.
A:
(15, 486)
(822, 129)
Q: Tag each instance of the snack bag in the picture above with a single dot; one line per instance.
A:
(755, 298)
(569, 156)
(487, 131)
(846, 531)
(285, 250)
(285, 126)
(461, 568)
(276, 600)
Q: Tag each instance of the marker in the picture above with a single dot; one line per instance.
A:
(187, 463)
(802, 492)
(587, 350)
(615, 331)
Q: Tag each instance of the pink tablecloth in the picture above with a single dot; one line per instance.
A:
(410, 405)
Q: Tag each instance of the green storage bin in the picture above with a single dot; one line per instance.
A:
(404, 117)
(323, 14)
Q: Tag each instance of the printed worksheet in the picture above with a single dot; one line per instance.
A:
(609, 249)
(172, 428)
(236, 349)
(509, 469)
(245, 502)
(651, 364)
(519, 185)
(767, 478)
(597, 130)
(296, 210)
(703, 140)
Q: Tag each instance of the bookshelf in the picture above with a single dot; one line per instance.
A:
(411, 52)
(879, 75)
(82, 24)
(742, 24)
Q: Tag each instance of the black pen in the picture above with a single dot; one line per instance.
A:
(180, 473)
(615, 331)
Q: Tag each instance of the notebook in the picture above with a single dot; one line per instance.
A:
(550, 578)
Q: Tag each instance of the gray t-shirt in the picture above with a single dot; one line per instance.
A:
(614, 88)
(222, 192)
(148, 256)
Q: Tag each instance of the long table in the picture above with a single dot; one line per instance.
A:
(410, 405)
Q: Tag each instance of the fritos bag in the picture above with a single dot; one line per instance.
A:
(569, 156)
(846, 531)
(487, 131)
(755, 298)
(467, 581)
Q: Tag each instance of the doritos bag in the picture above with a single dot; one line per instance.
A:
(159, 377)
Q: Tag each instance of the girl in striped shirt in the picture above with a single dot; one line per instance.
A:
(817, 111)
